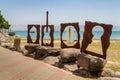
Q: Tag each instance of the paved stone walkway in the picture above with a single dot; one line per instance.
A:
(15, 66)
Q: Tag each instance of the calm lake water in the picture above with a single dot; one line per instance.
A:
(97, 34)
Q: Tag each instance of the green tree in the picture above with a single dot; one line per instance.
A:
(4, 24)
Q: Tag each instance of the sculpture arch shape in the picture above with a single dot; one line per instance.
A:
(51, 35)
(29, 39)
(76, 26)
(105, 38)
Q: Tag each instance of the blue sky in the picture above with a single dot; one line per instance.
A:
(61, 11)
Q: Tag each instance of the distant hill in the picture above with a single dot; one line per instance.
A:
(116, 28)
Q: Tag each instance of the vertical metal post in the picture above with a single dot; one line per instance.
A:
(47, 21)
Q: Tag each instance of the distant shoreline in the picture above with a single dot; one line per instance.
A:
(115, 35)
(82, 39)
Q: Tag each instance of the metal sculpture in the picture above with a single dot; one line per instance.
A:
(51, 33)
(76, 26)
(29, 39)
(105, 38)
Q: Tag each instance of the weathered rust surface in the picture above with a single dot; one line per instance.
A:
(51, 33)
(105, 38)
(29, 39)
(76, 26)
(51, 36)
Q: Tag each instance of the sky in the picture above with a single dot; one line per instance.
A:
(23, 12)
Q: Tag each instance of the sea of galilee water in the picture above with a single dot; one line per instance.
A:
(97, 34)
